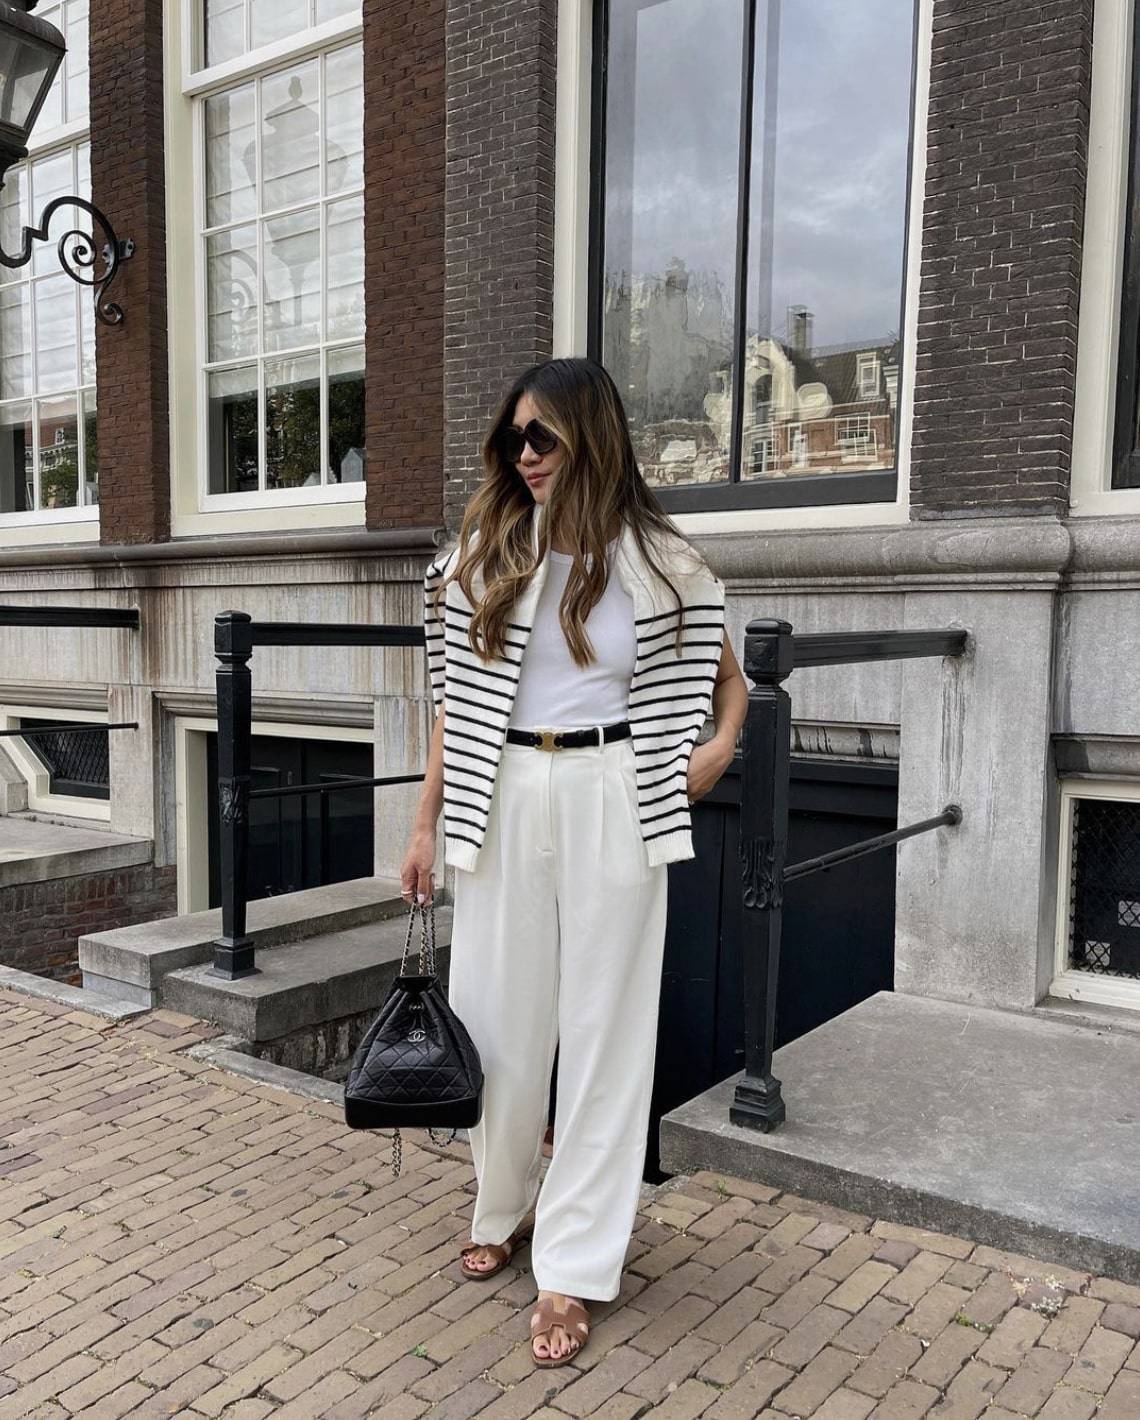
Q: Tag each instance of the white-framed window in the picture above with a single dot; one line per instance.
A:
(854, 437)
(868, 374)
(1098, 893)
(49, 468)
(64, 773)
(272, 129)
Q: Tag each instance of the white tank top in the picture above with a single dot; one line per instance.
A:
(555, 693)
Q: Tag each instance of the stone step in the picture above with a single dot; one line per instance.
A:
(1018, 1130)
(130, 963)
(307, 992)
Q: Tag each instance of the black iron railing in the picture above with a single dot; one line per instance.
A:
(771, 654)
(79, 618)
(235, 637)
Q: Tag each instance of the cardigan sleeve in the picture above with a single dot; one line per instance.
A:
(434, 628)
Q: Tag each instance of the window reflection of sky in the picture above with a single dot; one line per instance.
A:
(842, 130)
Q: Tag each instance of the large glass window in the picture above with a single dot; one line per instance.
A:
(235, 27)
(283, 256)
(748, 242)
(48, 446)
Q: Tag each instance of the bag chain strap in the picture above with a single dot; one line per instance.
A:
(427, 968)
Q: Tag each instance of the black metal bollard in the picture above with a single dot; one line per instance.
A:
(769, 657)
(233, 646)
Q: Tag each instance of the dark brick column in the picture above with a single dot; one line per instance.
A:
(1001, 257)
(403, 260)
(501, 63)
(128, 183)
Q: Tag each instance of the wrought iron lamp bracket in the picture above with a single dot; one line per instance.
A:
(86, 261)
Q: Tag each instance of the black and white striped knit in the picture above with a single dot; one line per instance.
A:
(669, 698)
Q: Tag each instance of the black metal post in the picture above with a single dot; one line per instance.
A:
(769, 658)
(233, 646)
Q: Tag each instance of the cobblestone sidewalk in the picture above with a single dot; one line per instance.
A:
(175, 1241)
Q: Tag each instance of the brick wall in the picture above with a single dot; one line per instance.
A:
(403, 260)
(501, 60)
(128, 183)
(1001, 257)
(44, 921)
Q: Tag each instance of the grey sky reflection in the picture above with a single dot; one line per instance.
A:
(842, 129)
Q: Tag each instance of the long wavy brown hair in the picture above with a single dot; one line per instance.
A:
(598, 491)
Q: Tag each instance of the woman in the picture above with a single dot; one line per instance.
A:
(569, 604)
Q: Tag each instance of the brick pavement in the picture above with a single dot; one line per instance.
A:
(176, 1241)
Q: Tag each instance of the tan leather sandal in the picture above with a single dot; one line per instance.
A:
(502, 1252)
(565, 1312)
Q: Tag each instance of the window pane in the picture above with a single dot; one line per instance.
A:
(344, 120)
(274, 19)
(231, 157)
(90, 450)
(345, 301)
(56, 334)
(333, 9)
(13, 218)
(51, 114)
(15, 342)
(54, 177)
(231, 293)
(290, 133)
(292, 249)
(346, 415)
(225, 30)
(829, 172)
(293, 423)
(76, 60)
(232, 430)
(672, 140)
(16, 485)
(59, 452)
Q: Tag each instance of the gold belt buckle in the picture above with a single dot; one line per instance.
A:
(546, 740)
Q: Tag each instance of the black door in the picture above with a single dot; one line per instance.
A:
(301, 841)
(838, 936)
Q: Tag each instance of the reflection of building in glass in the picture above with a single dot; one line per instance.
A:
(807, 409)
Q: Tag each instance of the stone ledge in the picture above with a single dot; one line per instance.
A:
(324, 978)
(133, 961)
(34, 852)
(1013, 1129)
(63, 995)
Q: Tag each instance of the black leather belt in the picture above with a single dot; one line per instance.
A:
(568, 739)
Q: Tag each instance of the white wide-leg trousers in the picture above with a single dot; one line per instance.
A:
(557, 939)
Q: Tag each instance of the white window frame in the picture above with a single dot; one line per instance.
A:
(195, 511)
(62, 524)
(1085, 985)
(1102, 267)
(37, 777)
(571, 256)
(867, 365)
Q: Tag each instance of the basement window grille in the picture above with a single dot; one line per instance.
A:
(79, 764)
(1104, 888)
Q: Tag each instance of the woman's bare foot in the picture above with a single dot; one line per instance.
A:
(481, 1259)
(558, 1341)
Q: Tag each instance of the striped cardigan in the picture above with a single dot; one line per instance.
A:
(669, 697)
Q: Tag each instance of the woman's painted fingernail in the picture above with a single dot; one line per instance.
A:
(419, 897)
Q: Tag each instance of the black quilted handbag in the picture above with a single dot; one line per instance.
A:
(417, 1066)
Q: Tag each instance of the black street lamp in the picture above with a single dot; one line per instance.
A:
(31, 52)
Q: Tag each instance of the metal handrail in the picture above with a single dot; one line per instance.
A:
(235, 637)
(82, 618)
(771, 654)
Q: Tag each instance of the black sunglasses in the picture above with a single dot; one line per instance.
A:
(512, 441)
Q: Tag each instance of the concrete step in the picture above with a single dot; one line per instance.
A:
(1021, 1131)
(327, 977)
(35, 852)
(130, 963)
